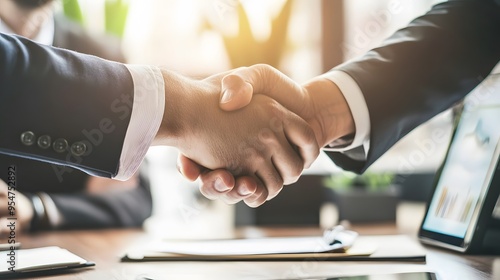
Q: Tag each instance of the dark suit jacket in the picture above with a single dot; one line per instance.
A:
(66, 95)
(80, 92)
(422, 70)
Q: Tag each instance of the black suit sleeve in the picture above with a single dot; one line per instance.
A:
(64, 95)
(422, 70)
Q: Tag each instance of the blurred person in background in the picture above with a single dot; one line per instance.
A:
(56, 197)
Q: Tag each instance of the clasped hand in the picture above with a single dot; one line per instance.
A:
(247, 132)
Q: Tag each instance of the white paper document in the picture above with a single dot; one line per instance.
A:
(259, 246)
(249, 246)
(24, 260)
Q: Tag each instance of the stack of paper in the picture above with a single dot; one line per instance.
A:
(39, 259)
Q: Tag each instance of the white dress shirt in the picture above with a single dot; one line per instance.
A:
(147, 114)
(359, 110)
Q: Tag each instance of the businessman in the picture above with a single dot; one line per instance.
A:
(362, 107)
(55, 197)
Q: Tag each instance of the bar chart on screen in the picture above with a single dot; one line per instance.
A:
(455, 205)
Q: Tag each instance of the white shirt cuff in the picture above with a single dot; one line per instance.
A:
(357, 104)
(147, 114)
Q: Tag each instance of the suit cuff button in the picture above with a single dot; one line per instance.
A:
(44, 141)
(28, 138)
(78, 149)
(60, 145)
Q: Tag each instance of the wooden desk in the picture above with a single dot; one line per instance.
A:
(105, 248)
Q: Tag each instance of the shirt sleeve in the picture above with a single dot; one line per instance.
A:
(357, 104)
(146, 117)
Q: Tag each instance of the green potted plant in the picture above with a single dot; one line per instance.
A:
(371, 197)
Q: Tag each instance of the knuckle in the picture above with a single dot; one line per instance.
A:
(259, 159)
(275, 185)
(266, 135)
(298, 166)
(296, 169)
(309, 137)
(263, 68)
(292, 176)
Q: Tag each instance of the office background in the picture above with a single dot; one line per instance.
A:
(302, 38)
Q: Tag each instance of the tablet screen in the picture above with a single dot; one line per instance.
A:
(465, 177)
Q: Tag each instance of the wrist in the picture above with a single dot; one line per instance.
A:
(172, 127)
(332, 116)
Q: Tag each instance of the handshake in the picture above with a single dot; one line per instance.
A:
(247, 132)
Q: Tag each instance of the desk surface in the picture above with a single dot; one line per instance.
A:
(106, 246)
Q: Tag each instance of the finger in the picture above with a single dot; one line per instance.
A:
(188, 168)
(271, 179)
(215, 184)
(284, 157)
(300, 134)
(244, 187)
(236, 93)
(259, 196)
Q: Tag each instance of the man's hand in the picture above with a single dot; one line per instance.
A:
(23, 209)
(264, 142)
(319, 102)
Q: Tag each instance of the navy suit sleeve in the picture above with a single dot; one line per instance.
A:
(64, 95)
(422, 70)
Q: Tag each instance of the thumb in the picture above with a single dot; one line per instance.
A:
(241, 84)
(188, 168)
(236, 92)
